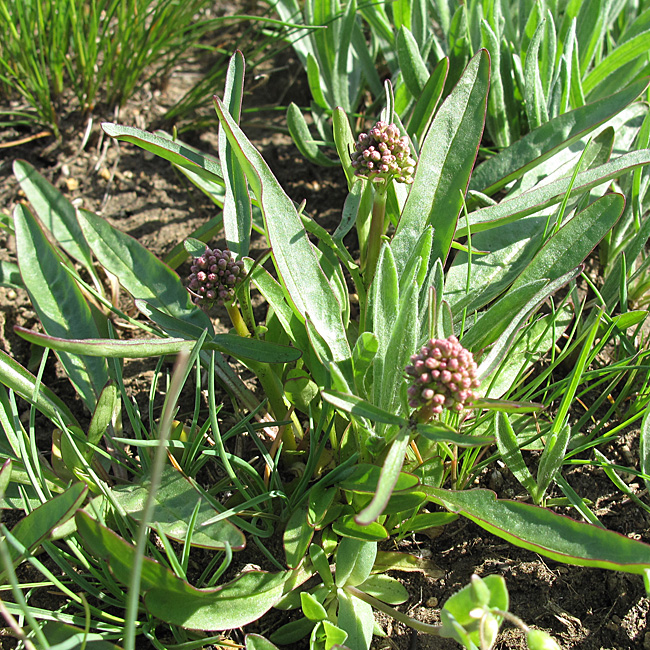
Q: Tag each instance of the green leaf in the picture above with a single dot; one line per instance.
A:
(384, 588)
(297, 537)
(321, 564)
(460, 606)
(507, 406)
(293, 631)
(538, 529)
(389, 364)
(167, 597)
(237, 346)
(621, 55)
(257, 642)
(10, 275)
(492, 323)
(364, 478)
(59, 303)
(334, 636)
(644, 448)
(344, 141)
(539, 198)
(363, 354)
(175, 501)
(106, 409)
(175, 152)
(534, 96)
(361, 408)
(440, 432)
(552, 458)
(446, 160)
(388, 478)
(54, 211)
(311, 608)
(511, 453)
(354, 561)
(5, 477)
(23, 383)
(545, 141)
(356, 618)
(506, 338)
(62, 636)
(237, 214)
(304, 140)
(142, 274)
(573, 241)
(293, 253)
(346, 526)
(395, 561)
(427, 102)
(38, 525)
(412, 65)
(320, 501)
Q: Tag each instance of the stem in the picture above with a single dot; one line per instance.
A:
(391, 611)
(265, 376)
(133, 599)
(237, 320)
(376, 232)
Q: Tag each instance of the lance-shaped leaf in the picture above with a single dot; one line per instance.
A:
(540, 530)
(236, 346)
(446, 160)
(498, 351)
(62, 635)
(38, 525)
(163, 146)
(55, 212)
(23, 383)
(571, 244)
(388, 477)
(538, 198)
(237, 215)
(293, 254)
(58, 302)
(175, 601)
(176, 499)
(361, 408)
(545, 141)
(140, 272)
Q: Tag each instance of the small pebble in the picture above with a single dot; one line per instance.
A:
(72, 184)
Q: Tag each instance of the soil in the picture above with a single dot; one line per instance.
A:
(585, 609)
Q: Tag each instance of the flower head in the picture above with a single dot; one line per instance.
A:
(444, 376)
(214, 276)
(382, 154)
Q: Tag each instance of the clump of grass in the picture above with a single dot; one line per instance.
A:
(98, 50)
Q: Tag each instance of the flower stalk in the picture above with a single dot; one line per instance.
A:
(215, 276)
(376, 233)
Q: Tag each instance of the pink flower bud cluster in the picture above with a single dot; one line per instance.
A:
(381, 154)
(214, 277)
(444, 374)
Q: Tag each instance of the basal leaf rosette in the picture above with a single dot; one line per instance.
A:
(383, 154)
(214, 277)
(444, 375)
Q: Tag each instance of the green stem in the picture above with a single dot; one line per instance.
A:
(268, 380)
(392, 612)
(237, 320)
(133, 599)
(376, 233)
